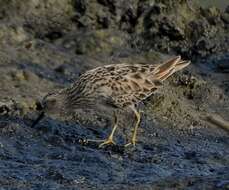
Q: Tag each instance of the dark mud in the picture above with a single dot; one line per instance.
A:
(45, 45)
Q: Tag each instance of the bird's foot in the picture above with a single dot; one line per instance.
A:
(108, 141)
(133, 143)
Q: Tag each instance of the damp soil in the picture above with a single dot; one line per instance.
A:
(46, 45)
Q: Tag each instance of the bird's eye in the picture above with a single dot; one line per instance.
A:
(39, 106)
(50, 100)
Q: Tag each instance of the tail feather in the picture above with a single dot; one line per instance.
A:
(167, 75)
(165, 70)
(182, 64)
(164, 67)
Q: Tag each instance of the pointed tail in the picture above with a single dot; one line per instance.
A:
(166, 69)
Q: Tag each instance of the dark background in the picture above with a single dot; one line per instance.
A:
(47, 44)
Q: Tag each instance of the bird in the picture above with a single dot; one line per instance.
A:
(118, 86)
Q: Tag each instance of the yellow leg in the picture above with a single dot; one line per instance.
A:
(138, 116)
(109, 140)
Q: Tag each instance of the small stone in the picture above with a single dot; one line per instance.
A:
(61, 69)
(227, 9)
(190, 155)
(225, 18)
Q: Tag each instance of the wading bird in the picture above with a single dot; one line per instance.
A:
(117, 86)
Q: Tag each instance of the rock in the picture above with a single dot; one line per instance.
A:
(212, 14)
(46, 44)
(94, 42)
(227, 9)
(225, 18)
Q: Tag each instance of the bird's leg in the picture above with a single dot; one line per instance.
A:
(109, 140)
(138, 116)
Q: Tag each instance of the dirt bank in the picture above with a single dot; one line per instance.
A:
(45, 45)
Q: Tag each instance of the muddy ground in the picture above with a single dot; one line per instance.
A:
(45, 45)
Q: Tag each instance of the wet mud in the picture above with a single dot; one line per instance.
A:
(46, 45)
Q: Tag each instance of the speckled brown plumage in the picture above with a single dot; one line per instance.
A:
(118, 85)
(122, 84)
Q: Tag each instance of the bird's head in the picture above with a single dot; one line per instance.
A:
(52, 104)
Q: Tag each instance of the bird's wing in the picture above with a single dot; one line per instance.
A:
(133, 83)
(123, 84)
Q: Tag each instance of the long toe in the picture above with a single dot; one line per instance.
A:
(128, 144)
(107, 142)
(133, 143)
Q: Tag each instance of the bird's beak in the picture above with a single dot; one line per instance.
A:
(40, 117)
(40, 108)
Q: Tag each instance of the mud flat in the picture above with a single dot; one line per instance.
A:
(45, 45)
